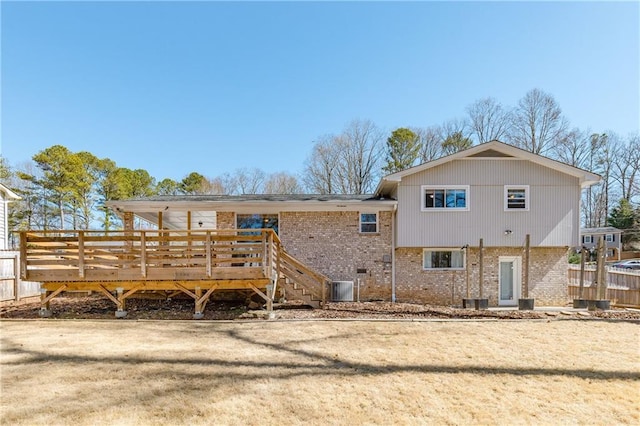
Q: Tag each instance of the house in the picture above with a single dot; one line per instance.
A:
(6, 196)
(492, 221)
(612, 237)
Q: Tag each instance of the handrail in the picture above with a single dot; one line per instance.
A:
(79, 255)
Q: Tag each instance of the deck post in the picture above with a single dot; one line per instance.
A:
(81, 254)
(270, 298)
(23, 255)
(143, 254)
(198, 299)
(120, 312)
(45, 311)
(208, 253)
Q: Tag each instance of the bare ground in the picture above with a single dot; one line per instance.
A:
(99, 307)
(94, 372)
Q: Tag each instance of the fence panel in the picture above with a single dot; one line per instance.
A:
(623, 287)
(11, 286)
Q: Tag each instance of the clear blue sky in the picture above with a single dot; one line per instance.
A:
(176, 87)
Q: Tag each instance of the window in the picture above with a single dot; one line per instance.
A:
(443, 259)
(447, 197)
(516, 198)
(368, 223)
(257, 221)
(587, 239)
(609, 238)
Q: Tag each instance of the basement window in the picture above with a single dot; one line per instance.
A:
(442, 259)
(368, 223)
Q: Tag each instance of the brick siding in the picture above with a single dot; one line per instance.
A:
(547, 277)
(331, 243)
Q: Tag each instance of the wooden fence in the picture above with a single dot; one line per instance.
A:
(11, 286)
(623, 286)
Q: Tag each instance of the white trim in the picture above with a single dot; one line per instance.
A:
(527, 198)
(423, 195)
(608, 238)
(585, 237)
(517, 279)
(360, 213)
(430, 249)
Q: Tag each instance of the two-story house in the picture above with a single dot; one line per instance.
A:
(612, 237)
(417, 238)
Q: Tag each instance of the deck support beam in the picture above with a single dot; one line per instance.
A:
(45, 298)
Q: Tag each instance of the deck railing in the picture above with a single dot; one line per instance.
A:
(162, 255)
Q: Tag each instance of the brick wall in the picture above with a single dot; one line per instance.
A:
(547, 277)
(331, 243)
(225, 220)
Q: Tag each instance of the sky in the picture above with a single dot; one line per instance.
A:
(177, 87)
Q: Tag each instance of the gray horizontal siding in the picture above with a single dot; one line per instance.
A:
(553, 218)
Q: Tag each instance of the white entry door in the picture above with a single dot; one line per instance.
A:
(510, 280)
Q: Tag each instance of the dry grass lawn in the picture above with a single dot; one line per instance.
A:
(320, 372)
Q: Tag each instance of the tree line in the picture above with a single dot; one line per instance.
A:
(62, 189)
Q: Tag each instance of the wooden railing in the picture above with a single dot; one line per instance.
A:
(152, 255)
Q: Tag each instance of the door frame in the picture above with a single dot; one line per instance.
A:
(517, 279)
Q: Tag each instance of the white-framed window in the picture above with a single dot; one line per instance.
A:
(609, 238)
(516, 198)
(436, 258)
(368, 223)
(445, 198)
(587, 239)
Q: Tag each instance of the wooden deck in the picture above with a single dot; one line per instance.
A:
(195, 262)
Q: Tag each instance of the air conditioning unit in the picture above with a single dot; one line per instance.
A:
(342, 291)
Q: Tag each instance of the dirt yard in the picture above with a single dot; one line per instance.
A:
(144, 372)
(99, 307)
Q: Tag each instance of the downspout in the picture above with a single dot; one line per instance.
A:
(393, 253)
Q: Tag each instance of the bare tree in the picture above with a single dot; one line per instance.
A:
(489, 121)
(282, 183)
(537, 123)
(320, 169)
(249, 181)
(604, 149)
(349, 163)
(360, 153)
(430, 143)
(574, 149)
(458, 127)
(626, 167)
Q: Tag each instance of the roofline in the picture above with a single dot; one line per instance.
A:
(256, 206)
(587, 178)
(10, 193)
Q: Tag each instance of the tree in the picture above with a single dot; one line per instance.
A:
(626, 167)
(624, 218)
(167, 186)
(194, 183)
(249, 181)
(456, 142)
(282, 183)
(574, 148)
(63, 177)
(430, 143)
(320, 169)
(403, 149)
(537, 123)
(489, 121)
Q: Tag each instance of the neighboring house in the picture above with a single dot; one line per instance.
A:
(612, 237)
(6, 196)
(416, 239)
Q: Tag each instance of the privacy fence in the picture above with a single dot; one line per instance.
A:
(11, 286)
(623, 286)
